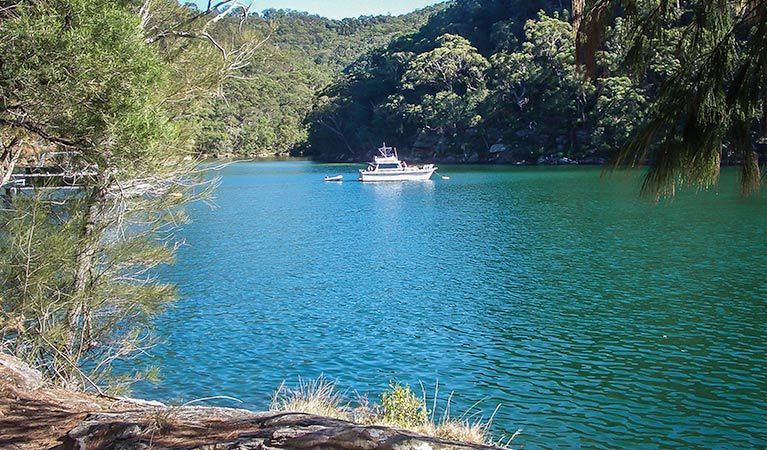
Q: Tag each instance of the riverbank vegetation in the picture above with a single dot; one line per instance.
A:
(267, 101)
(399, 407)
(460, 82)
(500, 81)
(35, 416)
(94, 93)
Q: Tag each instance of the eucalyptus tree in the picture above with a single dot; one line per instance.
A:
(536, 93)
(99, 81)
(441, 89)
(714, 102)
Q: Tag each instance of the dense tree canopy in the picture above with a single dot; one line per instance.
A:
(267, 100)
(678, 85)
(711, 104)
(92, 89)
(474, 76)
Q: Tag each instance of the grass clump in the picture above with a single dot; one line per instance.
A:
(452, 429)
(468, 427)
(319, 396)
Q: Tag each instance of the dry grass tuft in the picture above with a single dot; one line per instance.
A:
(466, 428)
(461, 430)
(319, 396)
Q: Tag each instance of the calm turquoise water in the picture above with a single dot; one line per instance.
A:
(595, 319)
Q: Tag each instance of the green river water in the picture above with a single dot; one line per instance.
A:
(594, 318)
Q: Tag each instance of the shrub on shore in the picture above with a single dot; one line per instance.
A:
(319, 396)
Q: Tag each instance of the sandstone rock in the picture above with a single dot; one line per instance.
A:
(16, 372)
(230, 429)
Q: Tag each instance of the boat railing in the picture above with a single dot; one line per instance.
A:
(387, 152)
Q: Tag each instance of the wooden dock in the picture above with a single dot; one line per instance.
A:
(37, 178)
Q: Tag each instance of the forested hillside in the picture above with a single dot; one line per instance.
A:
(481, 81)
(471, 81)
(264, 104)
(463, 81)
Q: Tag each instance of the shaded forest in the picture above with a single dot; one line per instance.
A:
(263, 105)
(462, 81)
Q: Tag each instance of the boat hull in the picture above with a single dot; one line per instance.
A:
(397, 175)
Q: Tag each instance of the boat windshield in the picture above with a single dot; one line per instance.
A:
(388, 166)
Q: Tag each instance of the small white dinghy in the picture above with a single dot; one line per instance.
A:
(334, 178)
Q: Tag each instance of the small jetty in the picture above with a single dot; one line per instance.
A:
(54, 170)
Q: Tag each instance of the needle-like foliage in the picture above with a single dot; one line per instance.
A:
(78, 266)
(713, 106)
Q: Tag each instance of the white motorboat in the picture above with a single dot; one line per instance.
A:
(386, 166)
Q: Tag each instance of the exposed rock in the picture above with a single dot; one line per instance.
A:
(15, 372)
(232, 429)
(34, 417)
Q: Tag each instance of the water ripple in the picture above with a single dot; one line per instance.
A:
(597, 320)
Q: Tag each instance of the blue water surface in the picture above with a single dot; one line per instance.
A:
(596, 319)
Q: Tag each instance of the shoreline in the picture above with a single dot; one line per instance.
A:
(35, 416)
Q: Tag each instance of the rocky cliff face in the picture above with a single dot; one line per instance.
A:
(33, 416)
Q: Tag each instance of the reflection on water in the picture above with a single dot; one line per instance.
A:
(597, 320)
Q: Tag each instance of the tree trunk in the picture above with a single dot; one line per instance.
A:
(588, 34)
(8, 159)
(578, 8)
(79, 314)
